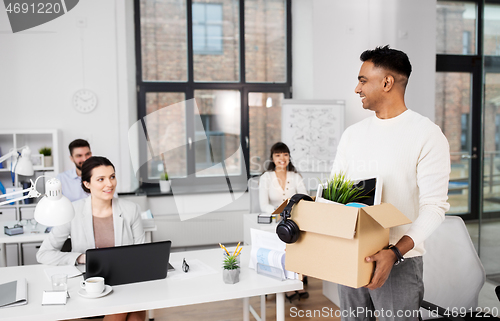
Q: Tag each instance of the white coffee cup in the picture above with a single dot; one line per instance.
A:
(94, 285)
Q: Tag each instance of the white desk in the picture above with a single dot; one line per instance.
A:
(36, 234)
(147, 295)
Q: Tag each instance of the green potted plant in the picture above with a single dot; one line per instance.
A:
(231, 271)
(47, 156)
(340, 190)
(164, 183)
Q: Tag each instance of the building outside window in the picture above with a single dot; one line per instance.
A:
(233, 58)
(207, 28)
(467, 110)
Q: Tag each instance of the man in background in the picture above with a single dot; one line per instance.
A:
(71, 180)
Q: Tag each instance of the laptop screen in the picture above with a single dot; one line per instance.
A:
(129, 263)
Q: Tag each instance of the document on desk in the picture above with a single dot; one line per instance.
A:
(14, 293)
(268, 249)
(70, 270)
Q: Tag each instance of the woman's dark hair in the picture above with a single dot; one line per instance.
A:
(89, 165)
(280, 147)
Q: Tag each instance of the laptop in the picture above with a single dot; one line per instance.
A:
(129, 263)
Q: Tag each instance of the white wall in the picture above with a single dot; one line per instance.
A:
(41, 68)
(329, 36)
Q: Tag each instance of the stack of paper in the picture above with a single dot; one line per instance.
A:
(269, 250)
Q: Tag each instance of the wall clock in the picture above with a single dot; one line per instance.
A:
(84, 101)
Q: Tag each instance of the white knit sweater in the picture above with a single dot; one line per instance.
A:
(411, 155)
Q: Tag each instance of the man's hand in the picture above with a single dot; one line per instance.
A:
(384, 261)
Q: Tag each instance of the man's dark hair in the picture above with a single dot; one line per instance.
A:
(390, 59)
(77, 143)
(89, 165)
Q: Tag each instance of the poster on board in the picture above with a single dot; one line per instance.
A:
(312, 130)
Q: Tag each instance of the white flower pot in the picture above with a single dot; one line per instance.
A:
(164, 186)
(48, 161)
(231, 276)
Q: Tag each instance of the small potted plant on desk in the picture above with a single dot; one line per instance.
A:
(164, 183)
(231, 272)
(47, 156)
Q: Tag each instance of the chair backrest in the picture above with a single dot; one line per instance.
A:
(453, 273)
(253, 190)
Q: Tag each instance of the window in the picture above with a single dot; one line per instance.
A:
(456, 27)
(207, 28)
(497, 132)
(466, 49)
(200, 67)
(464, 137)
(265, 127)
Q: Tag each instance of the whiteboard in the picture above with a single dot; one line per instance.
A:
(312, 130)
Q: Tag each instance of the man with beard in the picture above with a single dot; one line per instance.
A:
(71, 180)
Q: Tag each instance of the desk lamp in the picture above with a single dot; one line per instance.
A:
(23, 166)
(53, 209)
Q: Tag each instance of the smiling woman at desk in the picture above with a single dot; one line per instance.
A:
(100, 221)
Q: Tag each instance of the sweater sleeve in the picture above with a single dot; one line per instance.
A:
(264, 183)
(433, 173)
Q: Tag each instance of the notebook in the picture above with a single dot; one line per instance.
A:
(130, 263)
(14, 293)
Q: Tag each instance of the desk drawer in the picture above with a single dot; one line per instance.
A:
(11, 250)
(29, 253)
(8, 214)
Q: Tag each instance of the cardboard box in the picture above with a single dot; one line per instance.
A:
(335, 239)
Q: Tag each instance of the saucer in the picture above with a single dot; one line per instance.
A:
(106, 291)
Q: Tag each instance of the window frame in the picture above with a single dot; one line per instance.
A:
(477, 65)
(206, 184)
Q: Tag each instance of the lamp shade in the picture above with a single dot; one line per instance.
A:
(24, 166)
(54, 209)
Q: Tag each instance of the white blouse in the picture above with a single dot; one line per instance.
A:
(271, 195)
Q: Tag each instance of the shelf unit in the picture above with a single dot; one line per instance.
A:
(34, 139)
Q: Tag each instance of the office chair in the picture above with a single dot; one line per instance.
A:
(453, 273)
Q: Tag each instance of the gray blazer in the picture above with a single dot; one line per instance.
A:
(127, 224)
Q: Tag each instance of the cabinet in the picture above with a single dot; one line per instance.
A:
(24, 209)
